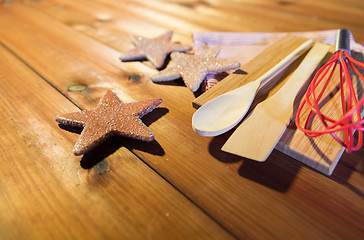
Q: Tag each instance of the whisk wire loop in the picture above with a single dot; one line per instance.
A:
(351, 120)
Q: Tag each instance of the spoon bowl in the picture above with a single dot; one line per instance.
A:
(230, 108)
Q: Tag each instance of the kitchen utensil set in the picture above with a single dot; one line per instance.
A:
(259, 132)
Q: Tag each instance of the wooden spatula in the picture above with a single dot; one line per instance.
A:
(256, 137)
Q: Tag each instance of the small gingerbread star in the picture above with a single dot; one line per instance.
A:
(110, 117)
(155, 50)
(194, 68)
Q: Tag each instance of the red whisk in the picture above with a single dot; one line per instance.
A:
(351, 119)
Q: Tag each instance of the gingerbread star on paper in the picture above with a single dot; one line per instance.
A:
(194, 68)
(155, 50)
(110, 117)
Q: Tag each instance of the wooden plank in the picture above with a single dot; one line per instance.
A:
(286, 16)
(47, 195)
(247, 15)
(175, 15)
(112, 26)
(233, 191)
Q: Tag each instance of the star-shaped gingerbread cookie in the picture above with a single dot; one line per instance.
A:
(194, 68)
(155, 50)
(110, 117)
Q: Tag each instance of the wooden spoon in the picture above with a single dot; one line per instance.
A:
(223, 113)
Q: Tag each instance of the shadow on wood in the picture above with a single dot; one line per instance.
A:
(277, 173)
(349, 165)
(101, 152)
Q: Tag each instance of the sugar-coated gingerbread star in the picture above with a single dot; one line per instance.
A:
(155, 50)
(194, 68)
(110, 117)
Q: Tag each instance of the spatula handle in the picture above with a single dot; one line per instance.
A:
(270, 74)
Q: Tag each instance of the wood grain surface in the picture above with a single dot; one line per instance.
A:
(59, 56)
(47, 194)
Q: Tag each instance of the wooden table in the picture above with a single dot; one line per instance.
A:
(60, 56)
